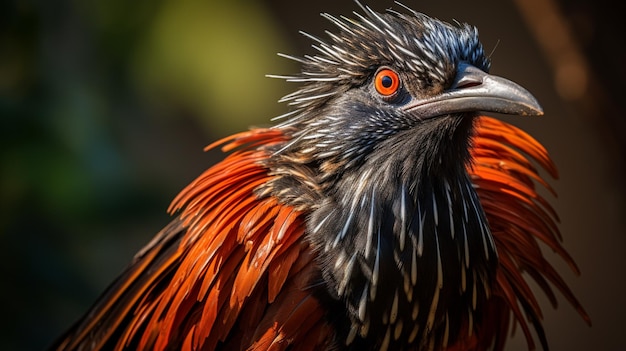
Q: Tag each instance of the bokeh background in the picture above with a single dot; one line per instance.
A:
(105, 106)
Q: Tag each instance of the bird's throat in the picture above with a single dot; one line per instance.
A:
(405, 245)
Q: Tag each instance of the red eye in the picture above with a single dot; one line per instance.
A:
(386, 82)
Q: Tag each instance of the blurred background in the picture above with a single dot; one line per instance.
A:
(105, 106)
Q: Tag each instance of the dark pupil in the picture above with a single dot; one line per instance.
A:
(387, 81)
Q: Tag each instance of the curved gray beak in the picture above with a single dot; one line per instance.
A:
(475, 90)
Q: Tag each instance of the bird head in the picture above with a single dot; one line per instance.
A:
(398, 85)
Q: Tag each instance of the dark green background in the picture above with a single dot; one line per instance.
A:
(105, 106)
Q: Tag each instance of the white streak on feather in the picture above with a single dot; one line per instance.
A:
(415, 311)
(338, 22)
(346, 275)
(435, 300)
(370, 226)
(351, 334)
(398, 330)
(363, 303)
(321, 223)
(450, 211)
(420, 233)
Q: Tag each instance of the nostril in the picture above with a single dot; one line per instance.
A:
(468, 76)
(468, 85)
(467, 82)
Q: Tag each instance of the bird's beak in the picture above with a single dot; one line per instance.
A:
(475, 90)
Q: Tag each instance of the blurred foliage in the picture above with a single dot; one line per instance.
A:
(99, 103)
(204, 56)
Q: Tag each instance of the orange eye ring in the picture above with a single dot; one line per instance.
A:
(387, 82)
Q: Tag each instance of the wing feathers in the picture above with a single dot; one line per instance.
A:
(505, 178)
(212, 274)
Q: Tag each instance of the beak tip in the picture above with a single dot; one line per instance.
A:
(534, 111)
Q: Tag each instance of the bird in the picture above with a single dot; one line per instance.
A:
(384, 211)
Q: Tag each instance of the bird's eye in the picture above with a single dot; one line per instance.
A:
(387, 82)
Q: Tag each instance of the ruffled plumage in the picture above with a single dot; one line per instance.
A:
(233, 271)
